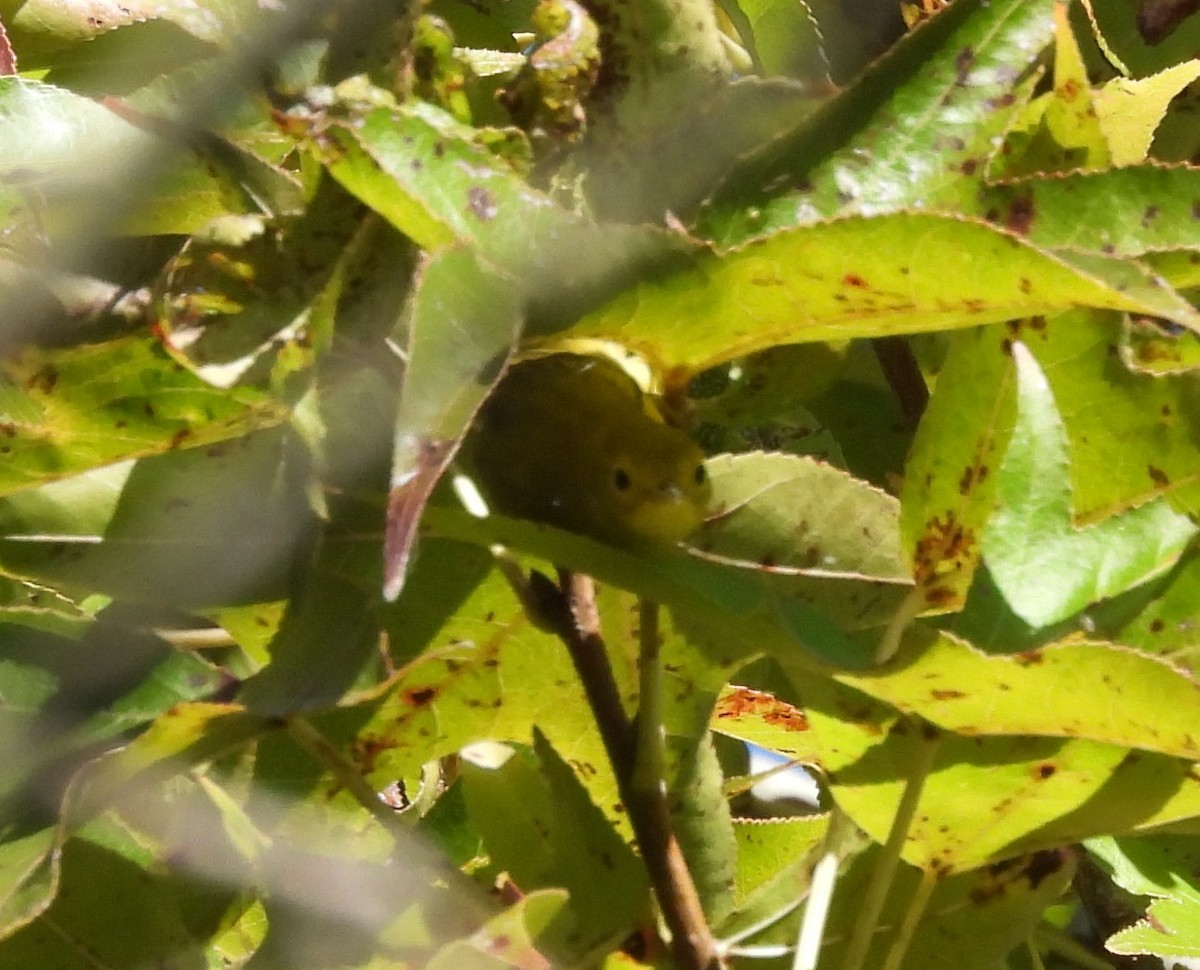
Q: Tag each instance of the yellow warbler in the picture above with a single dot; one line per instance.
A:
(572, 440)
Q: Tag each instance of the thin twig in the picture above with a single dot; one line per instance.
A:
(927, 742)
(904, 375)
(917, 904)
(316, 744)
(820, 892)
(649, 768)
(691, 940)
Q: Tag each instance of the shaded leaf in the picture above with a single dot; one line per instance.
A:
(461, 325)
(538, 824)
(1046, 568)
(1163, 867)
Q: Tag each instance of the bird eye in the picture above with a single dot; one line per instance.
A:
(621, 480)
(700, 476)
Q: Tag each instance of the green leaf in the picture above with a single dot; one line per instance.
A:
(69, 411)
(461, 325)
(1135, 701)
(28, 877)
(784, 38)
(1163, 867)
(790, 513)
(915, 128)
(1140, 445)
(42, 608)
(638, 176)
(732, 613)
(971, 920)
(539, 825)
(429, 176)
(950, 477)
(514, 938)
(1045, 566)
(1118, 26)
(704, 827)
(769, 847)
(1155, 347)
(857, 277)
(102, 895)
(64, 149)
(204, 526)
(1131, 110)
(1166, 624)
(1126, 211)
(758, 717)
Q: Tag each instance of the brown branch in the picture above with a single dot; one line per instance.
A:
(903, 376)
(579, 627)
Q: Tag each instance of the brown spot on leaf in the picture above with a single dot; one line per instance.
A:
(1019, 217)
(963, 63)
(942, 541)
(852, 279)
(1151, 213)
(481, 203)
(44, 380)
(421, 696)
(1045, 770)
(939, 596)
(944, 694)
(966, 480)
(1158, 476)
(740, 702)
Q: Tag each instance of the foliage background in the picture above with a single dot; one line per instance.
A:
(261, 267)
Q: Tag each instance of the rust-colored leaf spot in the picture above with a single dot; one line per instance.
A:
(499, 943)
(44, 380)
(942, 542)
(853, 279)
(1029, 658)
(365, 751)
(419, 697)
(179, 437)
(1069, 90)
(1019, 218)
(945, 694)
(1045, 770)
(968, 478)
(739, 702)
(939, 596)
(481, 203)
(1156, 626)
(1151, 213)
(964, 62)
(1158, 476)
(787, 718)
(969, 166)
